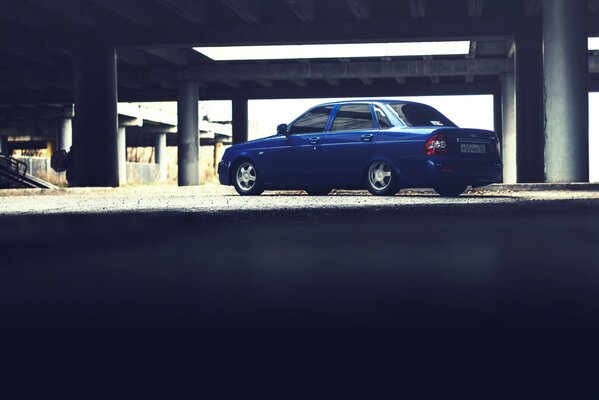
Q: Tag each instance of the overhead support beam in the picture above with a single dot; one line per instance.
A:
(299, 82)
(366, 81)
(532, 7)
(265, 83)
(185, 35)
(355, 70)
(170, 55)
(400, 80)
(248, 10)
(188, 10)
(132, 12)
(565, 53)
(304, 10)
(475, 8)
(359, 8)
(593, 6)
(418, 8)
(25, 14)
(332, 82)
(76, 11)
(134, 57)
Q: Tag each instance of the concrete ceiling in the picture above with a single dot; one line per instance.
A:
(154, 40)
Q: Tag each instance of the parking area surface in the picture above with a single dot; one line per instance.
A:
(509, 280)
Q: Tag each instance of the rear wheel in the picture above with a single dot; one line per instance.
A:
(381, 179)
(246, 180)
(451, 190)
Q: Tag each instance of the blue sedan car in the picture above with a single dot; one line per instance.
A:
(380, 145)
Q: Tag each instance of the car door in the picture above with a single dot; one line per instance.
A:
(348, 144)
(296, 163)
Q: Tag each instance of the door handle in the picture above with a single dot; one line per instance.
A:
(314, 140)
(367, 137)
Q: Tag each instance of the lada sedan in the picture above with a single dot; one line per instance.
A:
(380, 145)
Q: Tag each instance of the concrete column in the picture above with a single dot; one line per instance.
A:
(4, 145)
(95, 149)
(160, 155)
(509, 145)
(122, 154)
(64, 137)
(188, 134)
(566, 85)
(240, 120)
(529, 109)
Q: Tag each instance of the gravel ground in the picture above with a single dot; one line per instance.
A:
(211, 199)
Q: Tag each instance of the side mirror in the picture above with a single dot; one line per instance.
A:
(282, 129)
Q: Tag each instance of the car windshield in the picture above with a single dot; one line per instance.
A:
(414, 115)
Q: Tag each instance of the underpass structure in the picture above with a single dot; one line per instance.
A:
(94, 53)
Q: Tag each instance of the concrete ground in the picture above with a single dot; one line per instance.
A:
(496, 283)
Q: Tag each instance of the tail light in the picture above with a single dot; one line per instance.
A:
(436, 145)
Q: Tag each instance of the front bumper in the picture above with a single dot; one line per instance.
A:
(224, 168)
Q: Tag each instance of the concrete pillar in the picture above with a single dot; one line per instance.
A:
(4, 145)
(508, 112)
(240, 120)
(160, 155)
(95, 149)
(529, 108)
(122, 154)
(188, 134)
(64, 137)
(566, 86)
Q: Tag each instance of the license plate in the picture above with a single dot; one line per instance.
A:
(473, 148)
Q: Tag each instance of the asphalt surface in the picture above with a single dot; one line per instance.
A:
(494, 286)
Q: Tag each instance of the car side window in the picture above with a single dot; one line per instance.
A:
(313, 121)
(383, 119)
(351, 117)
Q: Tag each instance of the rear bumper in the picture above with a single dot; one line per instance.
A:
(223, 173)
(471, 172)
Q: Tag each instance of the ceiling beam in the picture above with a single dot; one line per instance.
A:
(359, 8)
(170, 55)
(73, 10)
(132, 12)
(248, 10)
(25, 14)
(418, 8)
(475, 8)
(305, 10)
(354, 70)
(532, 7)
(188, 10)
(133, 57)
(276, 33)
(593, 6)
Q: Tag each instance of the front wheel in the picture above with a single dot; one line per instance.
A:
(451, 190)
(381, 179)
(246, 180)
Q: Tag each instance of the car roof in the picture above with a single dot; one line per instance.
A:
(334, 103)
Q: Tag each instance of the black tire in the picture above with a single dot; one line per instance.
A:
(246, 179)
(385, 183)
(318, 191)
(451, 189)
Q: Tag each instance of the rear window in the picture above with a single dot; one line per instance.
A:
(420, 115)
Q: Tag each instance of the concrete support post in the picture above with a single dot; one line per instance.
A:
(122, 154)
(188, 134)
(566, 83)
(64, 137)
(240, 120)
(95, 148)
(4, 145)
(160, 156)
(529, 109)
(509, 144)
